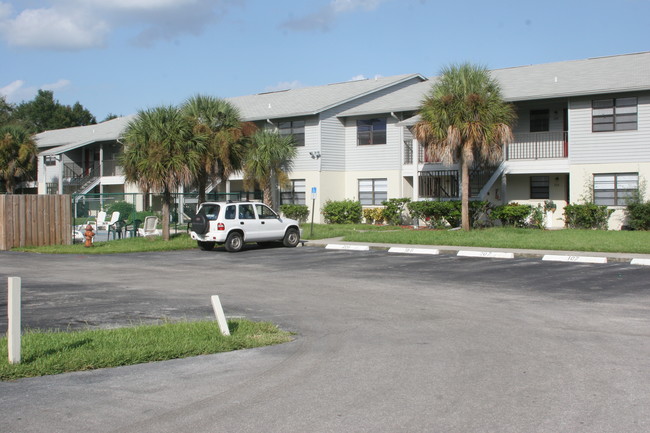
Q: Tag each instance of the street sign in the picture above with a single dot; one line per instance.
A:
(313, 193)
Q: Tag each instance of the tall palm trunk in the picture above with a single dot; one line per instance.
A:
(464, 195)
(268, 195)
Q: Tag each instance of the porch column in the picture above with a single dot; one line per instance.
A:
(504, 187)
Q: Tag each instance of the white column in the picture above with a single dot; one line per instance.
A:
(13, 314)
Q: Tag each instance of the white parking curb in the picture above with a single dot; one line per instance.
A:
(413, 250)
(575, 259)
(347, 247)
(486, 254)
(642, 262)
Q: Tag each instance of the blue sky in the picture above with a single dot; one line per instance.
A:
(119, 56)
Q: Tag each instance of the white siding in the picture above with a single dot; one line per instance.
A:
(377, 156)
(336, 139)
(586, 147)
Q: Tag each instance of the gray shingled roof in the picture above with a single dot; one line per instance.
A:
(311, 100)
(601, 75)
(61, 140)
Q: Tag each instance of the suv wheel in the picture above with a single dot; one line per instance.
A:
(200, 224)
(234, 242)
(206, 246)
(291, 238)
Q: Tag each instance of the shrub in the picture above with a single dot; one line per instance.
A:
(638, 216)
(374, 215)
(298, 212)
(586, 216)
(342, 212)
(440, 213)
(125, 209)
(512, 214)
(394, 209)
(537, 216)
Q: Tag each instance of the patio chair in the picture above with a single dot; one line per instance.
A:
(100, 221)
(149, 227)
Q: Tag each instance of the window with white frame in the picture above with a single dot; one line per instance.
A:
(614, 114)
(371, 131)
(49, 160)
(373, 191)
(614, 189)
(295, 128)
(295, 194)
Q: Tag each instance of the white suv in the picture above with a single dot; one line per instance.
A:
(234, 223)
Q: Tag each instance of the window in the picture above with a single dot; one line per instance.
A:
(371, 131)
(264, 212)
(231, 212)
(539, 120)
(619, 114)
(246, 212)
(295, 128)
(539, 187)
(373, 191)
(49, 160)
(295, 194)
(615, 189)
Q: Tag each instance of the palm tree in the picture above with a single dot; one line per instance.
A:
(161, 153)
(17, 155)
(269, 160)
(464, 119)
(224, 136)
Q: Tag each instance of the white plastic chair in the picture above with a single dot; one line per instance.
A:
(99, 222)
(149, 227)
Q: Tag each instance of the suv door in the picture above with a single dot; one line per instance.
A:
(248, 222)
(272, 227)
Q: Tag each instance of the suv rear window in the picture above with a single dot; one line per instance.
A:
(211, 211)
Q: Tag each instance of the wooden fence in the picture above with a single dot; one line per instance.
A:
(27, 220)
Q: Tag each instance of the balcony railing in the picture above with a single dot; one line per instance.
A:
(539, 145)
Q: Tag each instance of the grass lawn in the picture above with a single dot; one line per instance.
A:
(45, 353)
(496, 237)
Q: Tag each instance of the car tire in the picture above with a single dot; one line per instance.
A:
(291, 238)
(206, 246)
(200, 224)
(234, 242)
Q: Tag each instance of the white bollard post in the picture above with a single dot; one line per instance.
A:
(221, 318)
(13, 314)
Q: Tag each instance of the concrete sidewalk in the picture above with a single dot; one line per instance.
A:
(518, 252)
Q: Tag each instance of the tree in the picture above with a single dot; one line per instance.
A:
(17, 155)
(464, 119)
(6, 110)
(44, 113)
(267, 161)
(218, 123)
(161, 153)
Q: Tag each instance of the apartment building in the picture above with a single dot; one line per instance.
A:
(583, 131)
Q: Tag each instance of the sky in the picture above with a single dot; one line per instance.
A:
(121, 56)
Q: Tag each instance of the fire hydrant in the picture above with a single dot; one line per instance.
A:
(89, 236)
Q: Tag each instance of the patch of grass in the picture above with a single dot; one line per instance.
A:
(127, 245)
(53, 352)
(324, 231)
(570, 239)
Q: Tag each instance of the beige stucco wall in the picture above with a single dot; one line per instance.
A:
(582, 181)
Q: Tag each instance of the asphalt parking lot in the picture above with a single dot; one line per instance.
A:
(384, 343)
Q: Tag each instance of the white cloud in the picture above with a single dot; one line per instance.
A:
(11, 89)
(16, 91)
(284, 85)
(324, 18)
(82, 24)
